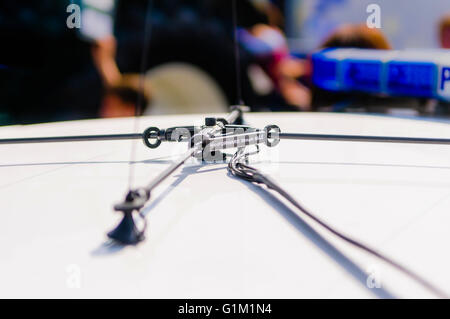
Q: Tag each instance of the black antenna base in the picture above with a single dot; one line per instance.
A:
(126, 232)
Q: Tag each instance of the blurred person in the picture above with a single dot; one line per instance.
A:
(269, 44)
(122, 93)
(444, 32)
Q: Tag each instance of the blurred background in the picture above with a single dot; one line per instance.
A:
(56, 65)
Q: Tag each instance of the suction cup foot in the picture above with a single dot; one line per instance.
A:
(126, 232)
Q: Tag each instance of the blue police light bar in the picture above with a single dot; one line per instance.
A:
(409, 73)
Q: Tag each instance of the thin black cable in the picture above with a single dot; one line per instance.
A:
(251, 174)
(79, 138)
(286, 136)
(237, 58)
(364, 138)
(139, 108)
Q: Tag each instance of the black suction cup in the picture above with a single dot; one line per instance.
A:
(126, 232)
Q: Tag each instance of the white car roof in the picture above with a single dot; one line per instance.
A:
(212, 236)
